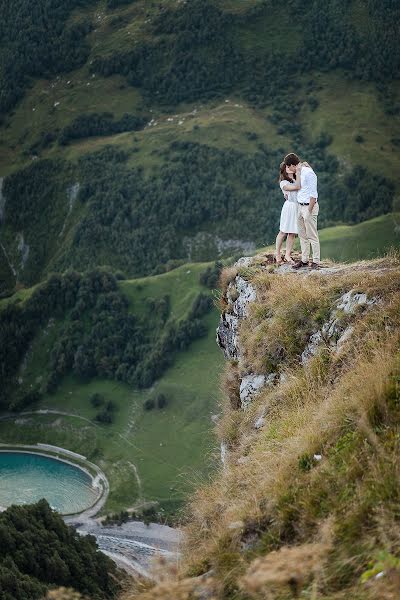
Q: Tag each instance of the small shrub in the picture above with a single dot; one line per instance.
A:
(162, 401)
(251, 135)
(306, 462)
(149, 515)
(104, 417)
(149, 404)
(96, 400)
(313, 103)
(111, 406)
(210, 276)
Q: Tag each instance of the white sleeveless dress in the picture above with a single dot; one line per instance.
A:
(288, 222)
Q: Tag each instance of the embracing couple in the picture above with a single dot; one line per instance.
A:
(298, 183)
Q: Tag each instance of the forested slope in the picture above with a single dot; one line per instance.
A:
(38, 551)
(213, 93)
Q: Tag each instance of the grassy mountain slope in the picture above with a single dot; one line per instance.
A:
(306, 504)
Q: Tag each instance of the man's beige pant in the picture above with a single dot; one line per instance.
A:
(308, 234)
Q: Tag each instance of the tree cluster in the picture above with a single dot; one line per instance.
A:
(98, 336)
(160, 401)
(96, 124)
(210, 277)
(111, 4)
(38, 550)
(36, 42)
(37, 206)
(107, 414)
(195, 54)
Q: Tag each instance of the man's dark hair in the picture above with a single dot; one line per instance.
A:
(291, 159)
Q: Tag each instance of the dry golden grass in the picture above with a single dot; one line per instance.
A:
(344, 406)
(230, 383)
(169, 584)
(64, 594)
(227, 275)
(288, 567)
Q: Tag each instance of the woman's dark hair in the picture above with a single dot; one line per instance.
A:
(284, 175)
(291, 160)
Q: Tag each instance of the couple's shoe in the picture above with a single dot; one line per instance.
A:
(286, 260)
(302, 265)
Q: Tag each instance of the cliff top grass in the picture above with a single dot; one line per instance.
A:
(307, 503)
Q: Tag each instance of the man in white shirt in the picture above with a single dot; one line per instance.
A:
(308, 208)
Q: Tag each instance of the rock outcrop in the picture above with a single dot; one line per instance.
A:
(239, 295)
(334, 333)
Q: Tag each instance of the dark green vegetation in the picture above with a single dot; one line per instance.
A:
(331, 38)
(136, 223)
(95, 124)
(36, 42)
(143, 199)
(156, 455)
(97, 336)
(137, 136)
(38, 550)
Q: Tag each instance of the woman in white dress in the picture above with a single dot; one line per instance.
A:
(288, 224)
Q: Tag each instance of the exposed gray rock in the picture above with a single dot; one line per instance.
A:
(260, 422)
(14, 272)
(349, 301)
(205, 246)
(346, 335)
(246, 294)
(312, 347)
(333, 333)
(240, 294)
(244, 261)
(72, 194)
(227, 335)
(250, 386)
(282, 377)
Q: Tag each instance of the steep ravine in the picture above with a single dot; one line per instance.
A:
(305, 503)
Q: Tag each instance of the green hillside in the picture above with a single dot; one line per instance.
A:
(194, 142)
(153, 455)
(140, 136)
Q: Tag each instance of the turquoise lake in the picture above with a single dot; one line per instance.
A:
(26, 478)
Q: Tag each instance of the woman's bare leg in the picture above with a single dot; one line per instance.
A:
(289, 247)
(279, 240)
